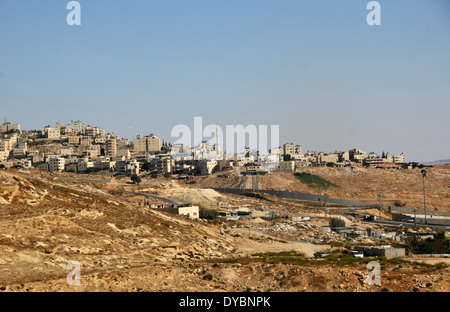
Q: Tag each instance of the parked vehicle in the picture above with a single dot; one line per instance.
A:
(369, 218)
(320, 254)
(356, 254)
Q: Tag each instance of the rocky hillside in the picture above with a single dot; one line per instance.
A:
(122, 246)
(397, 187)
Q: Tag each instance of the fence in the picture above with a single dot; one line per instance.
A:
(324, 198)
(300, 196)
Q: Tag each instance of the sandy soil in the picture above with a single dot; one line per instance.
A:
(123, 246)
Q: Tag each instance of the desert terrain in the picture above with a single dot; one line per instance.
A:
(122, 245)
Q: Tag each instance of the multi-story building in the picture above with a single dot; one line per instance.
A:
(84, 164)
(20, 149)
(123, 154)
(91, 152)
(6, 127)
(100, 139)
(207, 166)
(127, 167)
(75, 127)
(104, 164)
(343, 156)
(52, 133)
(56, 164)
(74, 139)
(399, 159)
(149, 143)
(291, 149)
(287, 166)
(328, 158)
(3, 156)
(6, 145)
(111, 148)
(85, 141)
(164, 165)
(357, 155)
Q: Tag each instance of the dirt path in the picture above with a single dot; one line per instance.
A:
(275, 244)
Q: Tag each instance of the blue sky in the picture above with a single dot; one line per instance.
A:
(315, 68)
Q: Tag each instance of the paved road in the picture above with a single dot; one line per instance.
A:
(408, 224)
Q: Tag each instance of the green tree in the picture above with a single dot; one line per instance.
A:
(146, 166)
(337, 222)
(208, 214)
(136, 179)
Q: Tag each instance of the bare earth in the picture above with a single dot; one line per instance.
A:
(123, 246)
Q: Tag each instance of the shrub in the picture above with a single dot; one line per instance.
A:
(208, 214)
(136, 179)
(208, 277)
(337, 222)
(313, 180)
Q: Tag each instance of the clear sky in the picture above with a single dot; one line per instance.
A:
(316, 68)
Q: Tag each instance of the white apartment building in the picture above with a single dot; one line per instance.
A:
(6, 145)
(399, 159)
(75, 126)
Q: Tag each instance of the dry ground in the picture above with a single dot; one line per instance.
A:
(122, 246)
(400, 186)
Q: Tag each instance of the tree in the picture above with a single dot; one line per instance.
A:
(147, 166)
(136, 179)
(337, 222)
(208, 214)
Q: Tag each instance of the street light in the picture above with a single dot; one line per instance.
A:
(424, 173)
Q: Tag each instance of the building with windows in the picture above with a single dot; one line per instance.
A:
(7, 127)
(56, 164)
(52, 133)
(149, 143)
(111, 148)
(75, 127)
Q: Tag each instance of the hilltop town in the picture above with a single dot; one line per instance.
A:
(138, 217)
(81, 148)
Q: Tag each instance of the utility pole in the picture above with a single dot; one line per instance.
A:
(424, 173)
(379, 203)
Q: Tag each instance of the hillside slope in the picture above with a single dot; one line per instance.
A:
(401, 187)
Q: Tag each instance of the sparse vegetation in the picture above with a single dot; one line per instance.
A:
(313, 180)
(208, 277)
(439, 244)
(337, 222)
(136, 179)
(208, 214)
